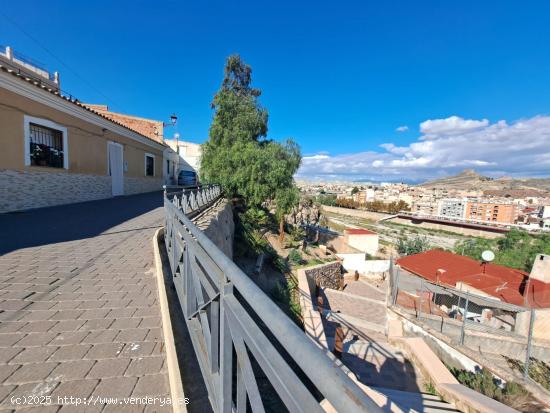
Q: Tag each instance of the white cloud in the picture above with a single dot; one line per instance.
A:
(403, 128)
(452, 125)
(314, 157)
(447, 146)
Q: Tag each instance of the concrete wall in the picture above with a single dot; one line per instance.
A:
(357, 262)
(373, 216)
(450, 228)
(86, 178)
(363, 242)
(541, 329)
(509, 345)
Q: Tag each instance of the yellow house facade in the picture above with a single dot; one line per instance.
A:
(55, 150)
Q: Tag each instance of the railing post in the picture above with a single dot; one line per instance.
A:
(464, 316)
(226, 355)
(189, 286)
(419, 313)
(396, 273)
(529, 344)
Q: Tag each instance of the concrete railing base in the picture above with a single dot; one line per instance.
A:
(174, 376)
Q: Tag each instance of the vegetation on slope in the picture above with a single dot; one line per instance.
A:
(516, 250)
(510, 393)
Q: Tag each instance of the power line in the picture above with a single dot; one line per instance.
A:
(74, 72)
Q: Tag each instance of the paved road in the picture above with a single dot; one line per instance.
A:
(79, 313)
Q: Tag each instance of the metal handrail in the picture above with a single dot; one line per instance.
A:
(229, 320)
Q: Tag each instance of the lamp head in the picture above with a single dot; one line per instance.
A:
(173, 119)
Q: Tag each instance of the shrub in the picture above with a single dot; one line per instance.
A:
(295, 257)
(538, 370)
(482, 381)
(413, 246)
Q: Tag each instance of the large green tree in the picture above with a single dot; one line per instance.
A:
(238, 155)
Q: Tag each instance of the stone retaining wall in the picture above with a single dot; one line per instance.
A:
(217, 224)
(327, 275)
(133, 185)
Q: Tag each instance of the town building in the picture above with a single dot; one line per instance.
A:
(492, 211)
(452, 208)
(424, 207)
(57, 150)
(189, 152)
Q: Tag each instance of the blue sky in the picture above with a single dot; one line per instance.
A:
(338, 77)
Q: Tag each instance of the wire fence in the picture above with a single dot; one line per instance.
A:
(476, 320)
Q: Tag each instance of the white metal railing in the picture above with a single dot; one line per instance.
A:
(238, 333)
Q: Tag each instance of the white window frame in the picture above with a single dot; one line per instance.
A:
(27, 120)
(150, 155)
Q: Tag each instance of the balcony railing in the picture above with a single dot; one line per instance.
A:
(250, 353)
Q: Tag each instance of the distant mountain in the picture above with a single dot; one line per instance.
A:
(470, 180)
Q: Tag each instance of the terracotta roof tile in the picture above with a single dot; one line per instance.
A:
(359, 231)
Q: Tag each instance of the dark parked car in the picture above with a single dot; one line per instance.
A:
(187, 178)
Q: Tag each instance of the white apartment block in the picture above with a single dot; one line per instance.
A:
(452, 207)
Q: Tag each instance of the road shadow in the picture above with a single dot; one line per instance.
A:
(42, 226)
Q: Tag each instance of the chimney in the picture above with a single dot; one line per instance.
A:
(440, 272)
(541, 268)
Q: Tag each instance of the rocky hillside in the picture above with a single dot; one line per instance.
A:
(472, 181)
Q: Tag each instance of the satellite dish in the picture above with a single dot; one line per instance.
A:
(487, 256)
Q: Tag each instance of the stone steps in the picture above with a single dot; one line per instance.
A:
(417, 402)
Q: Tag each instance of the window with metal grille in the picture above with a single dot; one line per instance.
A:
(149, 165)
(46, 146)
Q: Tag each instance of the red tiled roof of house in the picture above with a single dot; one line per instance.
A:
(504, 283)
(359, 231)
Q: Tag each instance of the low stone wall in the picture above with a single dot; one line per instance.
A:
(21, 190)
(134, 185)
(327, 275)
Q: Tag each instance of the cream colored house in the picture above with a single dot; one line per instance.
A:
(56, 150)
(189, 154)
(362, 240)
